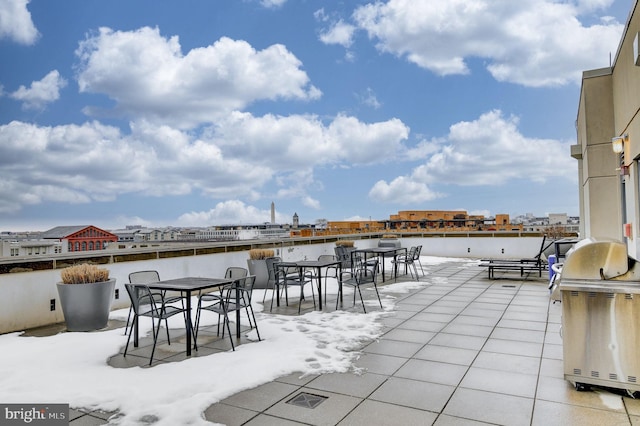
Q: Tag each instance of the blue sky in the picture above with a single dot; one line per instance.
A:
(201, 112)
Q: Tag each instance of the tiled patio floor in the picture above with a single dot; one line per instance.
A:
(464, 350)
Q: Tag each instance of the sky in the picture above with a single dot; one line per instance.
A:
(201, 113)
(313, 343)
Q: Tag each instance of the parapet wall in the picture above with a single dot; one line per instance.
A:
(29, 296)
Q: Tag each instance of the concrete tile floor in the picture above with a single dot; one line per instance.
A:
(464, 350)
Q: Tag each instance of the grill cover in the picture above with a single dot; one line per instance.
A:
(596, 260)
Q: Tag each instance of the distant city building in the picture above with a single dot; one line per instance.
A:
(451, 221)
(27, 244)
(65, 239)
(80, 238)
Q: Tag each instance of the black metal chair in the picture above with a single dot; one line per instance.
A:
(272, 273)
(416, 258)
(235, 272)
(326, 273)
(363, 274)
(408, 260)
(234, 297)
(232, 272)
(145, 304)
(292, 277)
(148, 277)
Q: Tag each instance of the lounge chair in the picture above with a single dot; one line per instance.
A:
(537, 263)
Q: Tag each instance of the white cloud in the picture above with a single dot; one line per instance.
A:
(34, 165)
(234, 159)
(529, 42)
(298, 142)
(148, 76)
(311, 202)
(585, 6)
(402, 190)
(272, 4)
(491, 150)
(339, 33)
(16, 23)
(230, 212)
(369, 98)
(488, 151)
(42, 92)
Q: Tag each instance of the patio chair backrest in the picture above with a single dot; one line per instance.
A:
(343, 255)
(271, 262)
(367, 272)
(244, 285)
(411, 256)
(143, 301)
(144, 277)
(234, 272)
(418, 251)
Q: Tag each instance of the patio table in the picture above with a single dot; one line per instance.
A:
(381, 251)
(310, 264)
(187, 286)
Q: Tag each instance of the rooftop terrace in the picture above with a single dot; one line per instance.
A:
(455, 348)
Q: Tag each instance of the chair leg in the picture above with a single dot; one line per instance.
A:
(155, 337)
(274, 294)
(197, 326)
(247, 305)
(128, 319)
(254, 321)
(361, 299)
(226, 321)
(135, 318)
(378, 294)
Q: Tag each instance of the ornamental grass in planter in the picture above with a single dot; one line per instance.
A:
(258, 254)
(84, 273)
(86, 294)
(345, 243)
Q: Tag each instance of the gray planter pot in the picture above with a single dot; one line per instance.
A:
(258, 267)
(86, 306)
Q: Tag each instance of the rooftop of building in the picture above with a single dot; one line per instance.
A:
(452, 348)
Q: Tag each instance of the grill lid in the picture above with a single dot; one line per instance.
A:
(593, 259)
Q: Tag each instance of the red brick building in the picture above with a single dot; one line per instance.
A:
(81, 238)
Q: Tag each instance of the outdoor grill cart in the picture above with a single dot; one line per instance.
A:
(600, 292)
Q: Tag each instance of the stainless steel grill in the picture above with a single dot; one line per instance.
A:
(600, 288)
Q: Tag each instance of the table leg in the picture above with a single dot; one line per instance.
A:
(135, 331)
(189, 324)
(320, 287)
(237, 315)
(340, 284)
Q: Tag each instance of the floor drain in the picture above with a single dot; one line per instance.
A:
(306, 400)
(509, 286)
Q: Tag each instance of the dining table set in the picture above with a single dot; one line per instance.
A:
(305, 270)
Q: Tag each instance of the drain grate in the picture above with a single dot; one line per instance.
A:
(509, 286)
(306, 400)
